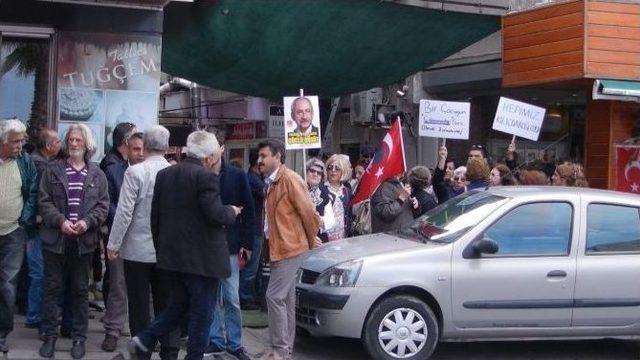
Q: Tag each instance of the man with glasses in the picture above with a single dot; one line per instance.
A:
(18, 202)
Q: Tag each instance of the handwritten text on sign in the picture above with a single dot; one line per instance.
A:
(444, 119)
(518, 118)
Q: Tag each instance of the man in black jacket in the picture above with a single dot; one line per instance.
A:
(188, 226)
(226, 329)
(114, 290)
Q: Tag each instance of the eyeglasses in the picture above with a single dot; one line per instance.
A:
(459, 178)
(334, 168)
(314, 171)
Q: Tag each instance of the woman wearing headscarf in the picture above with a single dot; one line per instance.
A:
(338, 175)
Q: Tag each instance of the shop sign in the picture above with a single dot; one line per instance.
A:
(518, 118)
(105, 79)
(242, 131)
(444, 119)
(276, 122)
(302, 122)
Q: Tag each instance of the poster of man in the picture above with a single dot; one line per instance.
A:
(302, 122)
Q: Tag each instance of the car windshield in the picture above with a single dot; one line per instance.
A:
(446, 222)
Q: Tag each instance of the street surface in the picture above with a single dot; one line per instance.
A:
(24, 346)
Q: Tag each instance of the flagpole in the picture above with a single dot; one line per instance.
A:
(404, 159)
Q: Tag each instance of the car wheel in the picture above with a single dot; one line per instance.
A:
(401, 327)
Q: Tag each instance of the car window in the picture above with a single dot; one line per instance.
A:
(449, 220)
(612, 228)
(533, 229)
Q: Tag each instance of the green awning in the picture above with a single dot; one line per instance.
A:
(620, 87)
(271, 48)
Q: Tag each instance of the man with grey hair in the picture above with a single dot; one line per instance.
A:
(73, 203)
(188, 229)
(131, 240)
(18, 201)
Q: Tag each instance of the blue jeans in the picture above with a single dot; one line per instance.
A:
(36, 273)
(248, 286)
(226, 326)
(11, 256)
(192, 296)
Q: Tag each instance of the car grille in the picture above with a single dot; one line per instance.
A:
(309, 277)
(304, 314)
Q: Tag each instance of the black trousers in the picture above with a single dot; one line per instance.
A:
(56, 267)
(145, 280)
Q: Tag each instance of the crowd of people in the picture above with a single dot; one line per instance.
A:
(187, 240)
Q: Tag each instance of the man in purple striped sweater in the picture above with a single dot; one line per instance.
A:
(73, 202)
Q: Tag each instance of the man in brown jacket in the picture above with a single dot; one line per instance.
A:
(290, 227)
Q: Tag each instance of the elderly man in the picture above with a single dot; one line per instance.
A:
(114, 165)
(302, 115)
(187, 225)
(47, 148)
(73, 204)
(131, 239)
(290, 227)
(18, 202)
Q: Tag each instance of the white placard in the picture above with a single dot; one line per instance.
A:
(302, 123)
(444, 119)
(518, 118)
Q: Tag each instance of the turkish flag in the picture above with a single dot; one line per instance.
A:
(628, 168)
(387, 162)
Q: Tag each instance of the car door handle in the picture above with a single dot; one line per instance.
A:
(557, 274)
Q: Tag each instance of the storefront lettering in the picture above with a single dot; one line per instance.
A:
(119, 72)
(134, 50)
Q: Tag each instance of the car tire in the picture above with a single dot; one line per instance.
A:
(416, 338)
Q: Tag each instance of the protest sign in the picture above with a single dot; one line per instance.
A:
(518, 118)
(444, 119)
(302, 122)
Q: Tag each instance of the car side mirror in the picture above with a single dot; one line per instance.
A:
(485, 246)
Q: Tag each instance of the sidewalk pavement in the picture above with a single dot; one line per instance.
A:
(24, 343)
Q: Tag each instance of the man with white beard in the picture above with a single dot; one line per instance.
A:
(73, 203)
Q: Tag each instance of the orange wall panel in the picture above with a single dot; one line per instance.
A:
(544, 45)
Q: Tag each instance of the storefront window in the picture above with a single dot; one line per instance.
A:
(24, 80)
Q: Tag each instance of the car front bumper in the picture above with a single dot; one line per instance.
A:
(325, 311)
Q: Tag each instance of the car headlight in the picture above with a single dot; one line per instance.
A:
(342, 275)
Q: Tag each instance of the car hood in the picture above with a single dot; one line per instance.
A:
(340, 251)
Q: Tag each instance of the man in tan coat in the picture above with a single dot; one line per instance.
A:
(290, 227)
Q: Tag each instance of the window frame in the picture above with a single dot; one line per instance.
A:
(497, 256)
(586, 230)
(50, 34)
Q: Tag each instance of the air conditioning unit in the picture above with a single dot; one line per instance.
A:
(363, 106)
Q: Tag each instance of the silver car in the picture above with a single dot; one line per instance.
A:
(506, 263)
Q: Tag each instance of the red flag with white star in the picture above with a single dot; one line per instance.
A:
(387, 162)
(628, 168)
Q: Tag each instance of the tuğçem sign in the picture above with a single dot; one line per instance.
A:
(444, 119)
(105, 79)
(518, 118)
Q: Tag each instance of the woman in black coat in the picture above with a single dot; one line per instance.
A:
(420, 182)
